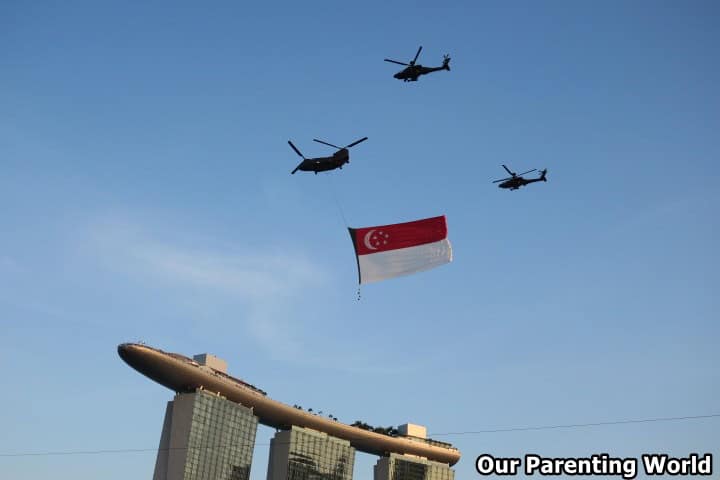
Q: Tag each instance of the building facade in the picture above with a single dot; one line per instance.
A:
(205, 436)
(407, 467)
(305, 454)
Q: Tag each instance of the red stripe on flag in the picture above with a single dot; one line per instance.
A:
(369, 240)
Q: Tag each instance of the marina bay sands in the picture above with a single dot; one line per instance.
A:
(210, 426)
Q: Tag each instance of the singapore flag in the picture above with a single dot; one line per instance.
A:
(389, 251)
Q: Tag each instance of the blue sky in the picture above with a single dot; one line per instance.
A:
(145, 195)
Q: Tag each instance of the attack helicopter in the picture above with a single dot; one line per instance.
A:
(324, 164)
(412, 72)
(515, 181)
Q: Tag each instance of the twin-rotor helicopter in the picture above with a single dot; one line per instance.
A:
(324, 164)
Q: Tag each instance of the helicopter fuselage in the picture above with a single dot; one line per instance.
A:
(411, 73)
(517, 182)
(324, 164)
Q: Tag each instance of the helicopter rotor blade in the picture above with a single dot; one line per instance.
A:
(395, 61)
(356, 142)
(528, 171)
(296, 150)
(326, 143)
(416, 55)
(508, 170)
(502, 180)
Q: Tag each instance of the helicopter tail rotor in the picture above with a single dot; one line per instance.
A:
(543, 172)
(446, 62)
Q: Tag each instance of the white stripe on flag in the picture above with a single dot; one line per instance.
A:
(404, 261)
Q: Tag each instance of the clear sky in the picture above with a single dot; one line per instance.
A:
(145, 194)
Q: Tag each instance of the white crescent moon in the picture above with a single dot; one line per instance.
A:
(366, 240)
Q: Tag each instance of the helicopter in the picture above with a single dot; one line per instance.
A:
(323, 164)
(412, 72)
(515, 181)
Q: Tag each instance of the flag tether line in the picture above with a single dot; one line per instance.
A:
(334, 196)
